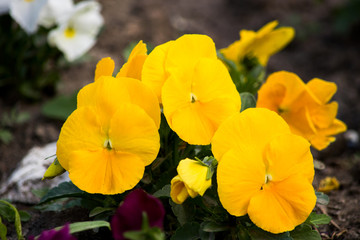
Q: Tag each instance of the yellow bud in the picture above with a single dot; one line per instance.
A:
(55, 169)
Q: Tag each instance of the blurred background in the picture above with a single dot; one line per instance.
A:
(326, 46)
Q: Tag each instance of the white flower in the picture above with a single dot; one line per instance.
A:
(55, 12)
(4, 6)
(26, 13)
(77, 34)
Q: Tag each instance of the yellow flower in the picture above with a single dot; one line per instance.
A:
(304, 107)
(173, 56)
(197, 101)
(261, 44)
(133, 67)
(108, 140)
(191, 181)
(264, 170)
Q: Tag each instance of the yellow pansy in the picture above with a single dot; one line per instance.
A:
(264, 172)
(261, 44)
(190, 181)
(133, 67)
(304, 107)
(174, 56)
(108, 140)
(197, 101)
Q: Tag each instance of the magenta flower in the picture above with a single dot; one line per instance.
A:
(129, 215)
(62, 234)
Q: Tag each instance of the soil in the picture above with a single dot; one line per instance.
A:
(317, 51)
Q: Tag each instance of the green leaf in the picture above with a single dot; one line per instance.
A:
(322, 198)
(184, 212)
(304, 232)
(259, 234)
(3, 231)
(17, 219)
(65, 189)
(60, 107)
(24, 216)
(99, 210)
(163, 192)
(5, 136)
(247, 101)
(318, 219)
(189, 231)
(87, 225)
(213, 227)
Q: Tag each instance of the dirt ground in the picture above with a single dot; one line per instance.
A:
(318, 51)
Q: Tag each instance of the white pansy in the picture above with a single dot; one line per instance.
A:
(4, 6)
(77, 34)
(55, 12)
(26, 13)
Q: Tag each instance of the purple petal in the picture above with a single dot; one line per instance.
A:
(62, 234)
(128, 216)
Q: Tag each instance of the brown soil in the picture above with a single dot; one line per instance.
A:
(317, 51)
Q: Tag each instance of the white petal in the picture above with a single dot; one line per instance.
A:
(73, 47)
(26, 13)
(55, 12)
(87, 17)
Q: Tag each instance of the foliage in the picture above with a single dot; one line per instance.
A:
(10, 120)
(29, 67)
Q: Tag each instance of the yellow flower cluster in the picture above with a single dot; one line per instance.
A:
(304, 107)
(264, 164)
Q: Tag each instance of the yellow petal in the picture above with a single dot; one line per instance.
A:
(105, 67)
(144, 97)
(293, 85)
(193, 174)
(188, 49)
(105, 95)
(240, 175)
(82, 130)
(267, 28)
(281, 206)
(271, 43)
(323, 90)
(105, 171)
(154, 73)
(323, 116)
(289, 154)
(253, 128)
(300, 122)
(178, 191)
(133, 67)
(133, 131)
(324, 136)
(192, 126)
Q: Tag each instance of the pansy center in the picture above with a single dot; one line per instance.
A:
(69, 32)
(108, 144)
(268, 179)
(193, 98)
